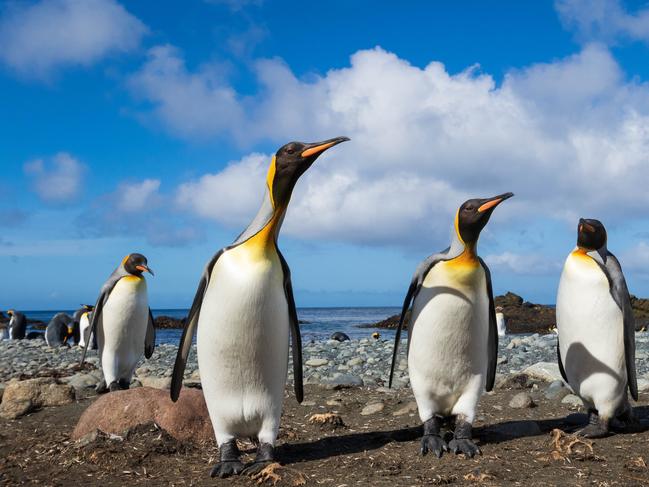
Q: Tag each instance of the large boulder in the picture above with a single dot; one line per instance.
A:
(117, 412)
(22, 397)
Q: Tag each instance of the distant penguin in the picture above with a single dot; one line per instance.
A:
(596, 348)
(244, 310)
(123, 323)
(339, 336)
(17, 325)
(500, 322)
(59, 330)
(452, 339)
(78, 314)
(84, 328)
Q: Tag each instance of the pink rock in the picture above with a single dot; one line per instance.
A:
(117, 412)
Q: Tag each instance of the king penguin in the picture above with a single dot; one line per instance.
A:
(123, 323)
(452, 338)
(17, 325)
(244, 310)
(84, 325)
(59, 330)
(596, 348)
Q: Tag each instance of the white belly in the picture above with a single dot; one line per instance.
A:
(84, 324)
(591, 335)
(447, 357)
(243, 339)
(122, 328)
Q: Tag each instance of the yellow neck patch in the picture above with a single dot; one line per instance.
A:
(270, 177)
(125, 259)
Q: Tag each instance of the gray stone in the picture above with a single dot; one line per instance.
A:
(410, 407)
(344, 381)
(522, 400)
(155, 382)
(544, 371)
(316, 362)
(572, 400)
(372, 408)
(81, 381)
(556, 390)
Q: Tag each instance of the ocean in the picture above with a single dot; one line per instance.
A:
(319, 324)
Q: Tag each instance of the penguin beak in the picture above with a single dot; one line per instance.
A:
(144, 268)
(318, 148)
(490, 203)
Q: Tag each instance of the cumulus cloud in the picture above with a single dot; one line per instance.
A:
(526, 264)
(56, 180)
(423, 140)
(138, 209)
(38, 38)
(604, 20)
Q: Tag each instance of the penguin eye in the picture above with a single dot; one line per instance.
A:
(290, 151)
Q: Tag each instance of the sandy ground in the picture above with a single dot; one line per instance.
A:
(376, 450)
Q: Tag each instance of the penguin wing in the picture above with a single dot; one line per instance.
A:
(190, 327)
(415, 285)
(560, 362)
(620, 294)
(149, 338)
(296, 339)
(492, 341)
(106, 289)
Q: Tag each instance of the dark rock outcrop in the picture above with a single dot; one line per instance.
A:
(168, 322)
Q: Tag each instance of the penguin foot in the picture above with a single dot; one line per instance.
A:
(124, 384)
(226, 469)
(598, 427)
(468, 447)
(101, 387)
(230, 463)
(265, 456)
(462, 441)
(114, 386)
(434, 444)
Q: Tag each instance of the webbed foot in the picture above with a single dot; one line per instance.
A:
(598, 427)
(229, 463)
(265, 456)
(462, 441)
(434, 444)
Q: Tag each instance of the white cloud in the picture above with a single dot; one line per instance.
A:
(135, 197)
(636, 259)
(603, 20)
(526, 264)
(57, 180)
(38, 38)
(423, 140)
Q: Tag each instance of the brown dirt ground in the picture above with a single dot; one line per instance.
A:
(376, 450)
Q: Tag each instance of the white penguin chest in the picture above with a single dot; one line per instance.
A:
(126, 311)
(589, 321)
(450, 320)
(244, 315)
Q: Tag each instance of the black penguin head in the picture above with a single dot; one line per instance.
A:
(136, 264)
(474, 214)
(10, 312)
(591, 234)
(289, 163)
(89, 307)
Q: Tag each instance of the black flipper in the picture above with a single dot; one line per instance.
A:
(560, 362)
(415, 285)
(149, 338)
(106, 289)
(296, 339)
(620, 294)
(190, 328)
(492, 355)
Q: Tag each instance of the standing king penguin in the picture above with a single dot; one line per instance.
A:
(84, 326)
(122, 323)
(244, 310)
(596, 348)
(452, 338)
(17, 325)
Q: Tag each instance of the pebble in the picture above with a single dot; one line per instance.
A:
(572, 400)
(411, 407)
(316, 362)
(372, 408)
(522, 400)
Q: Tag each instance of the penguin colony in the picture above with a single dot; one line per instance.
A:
(244, 316)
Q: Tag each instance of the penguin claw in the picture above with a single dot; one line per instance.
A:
(227, 469)
(255, 467)
(435, 444)
(593, 431)
(468, 447)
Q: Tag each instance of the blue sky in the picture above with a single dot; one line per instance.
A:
(148, 126)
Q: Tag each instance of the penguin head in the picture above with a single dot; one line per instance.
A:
(474, 214)
(136, 264)
(10, 312)
(289, 163)
(88, 307)
(591, 234)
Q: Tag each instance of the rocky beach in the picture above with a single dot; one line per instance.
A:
(350, 430)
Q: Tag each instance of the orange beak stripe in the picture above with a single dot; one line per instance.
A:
(489, 204)
(317, 149)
